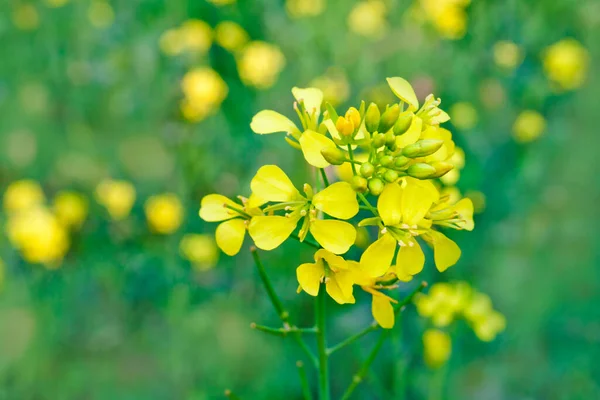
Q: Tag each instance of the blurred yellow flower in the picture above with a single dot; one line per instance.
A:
(230, 36)
(463, 115)
(39, 236)
(259, 64)
(479, 200)
(200, 250)
(204, 91)
(23, 195)
(56, 3)
(507, 54)
(25, 17)
(193, 35)
(448, 16)
(334, 85)
(220, 3)
(304, 8)
(100, 14)
(367, 18)
(528, 126)
(117, 197)
(566, 64)
(164, 213)
(437, 347)
(70, 208)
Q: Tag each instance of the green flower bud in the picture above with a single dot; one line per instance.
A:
(390, 139)
(380, 171)
(386, 160)
(390, 176)
(401, 161)
(441, 168)
(334, 155)
(359, 184)
(422, 148)
(389, 118)
(403, 123)
(367, 169)
(372, 118)
(376, 186)
(378, 140)
(421, 170)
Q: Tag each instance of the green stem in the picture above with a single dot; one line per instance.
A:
(282, 331)
(322, 344)
(353, 338)
(237, 210)
(351, 155)
(307, 241)
(367, 204)
(324, 176)
(304, 381)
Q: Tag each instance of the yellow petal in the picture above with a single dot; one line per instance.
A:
(388, 204)
(404, 91)
(336, 263)
(230, 236)
(309, 277)
(410, 259)
(272, 184)
(339, 287)
(378, 257)
(337, 200)
(330, 125)
(335, 236)
(417, 198)
(383, 311)
(312, 98)
(412, 134)
(268, 121)
(312, 143)
(465, 209)
(212, 208)
(268, 232)
(445, 252)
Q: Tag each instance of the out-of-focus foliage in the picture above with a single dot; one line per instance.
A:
(106, 292)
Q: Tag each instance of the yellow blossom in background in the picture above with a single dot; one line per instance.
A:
(259, 64)
(463, 115)
(368, 18)
(231, 36)
(25, 17)
(479, 200)
(220, 3)
(39, 236)
(507, 55)
(528, 126)
(566, 64)
(204, 91)
(458, 161)
(193, 35)
(448, 16)
(164, 213)
(200, 250)
(334, 85)
(56, 3)
(304, 8)
(117, 197)
(70, 208)
(437, 347)
(100, 14)
(23, 195)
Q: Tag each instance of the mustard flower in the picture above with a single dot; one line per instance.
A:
(23, 195)
(507, 55)
(117, 197)
(437, 347)
(70, 208)
(381, 304)
(528, 126)
(566, 64)
(164, 213)
(368, 18)
(204, 91)
(259, 64)
(230, 36)
(200, 250)
(330, 269)
(304, 8)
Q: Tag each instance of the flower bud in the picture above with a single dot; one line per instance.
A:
(390, 176)
(389, 118)
(334, 155)
(354, 116)
(441, 169)
(403, 123)
(386, 160)
(390, 139)
(378, 140)
(359, 184)
(401, 161)
(422, 148)
(367, 169)
(421, 170)
(372, 118)
(376, 186)
(344, 127)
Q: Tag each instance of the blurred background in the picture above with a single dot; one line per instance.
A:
(116, 117)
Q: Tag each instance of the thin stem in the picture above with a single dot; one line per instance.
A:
(367, 204)
(322, 344)
(324, 176)
(282, 331)
(373, 327)
(307, 241)
(237, 210)
(351, 156)
(304, 381)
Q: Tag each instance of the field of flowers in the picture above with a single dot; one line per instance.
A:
(303, 199)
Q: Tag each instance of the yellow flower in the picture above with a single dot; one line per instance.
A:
(100, 14)
(204, 91)
(271, 184)
(70, 208)
(231, 232)
(22, 195)
(200, 250)
(528, 126)
(329, 269)
(566, 64)
(25, 17)
(464, 115)
(437, 347)
(448, 16)
(117, 197)
(196, 35)
(367, 18)
(304, 8)
(381, 305)
(259, 64)
(489, 326)
(507, 54)
(164, 213)
(231, 36)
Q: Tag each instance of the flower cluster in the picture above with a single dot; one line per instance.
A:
(566, 64)
(403, 151)
(448, 302)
